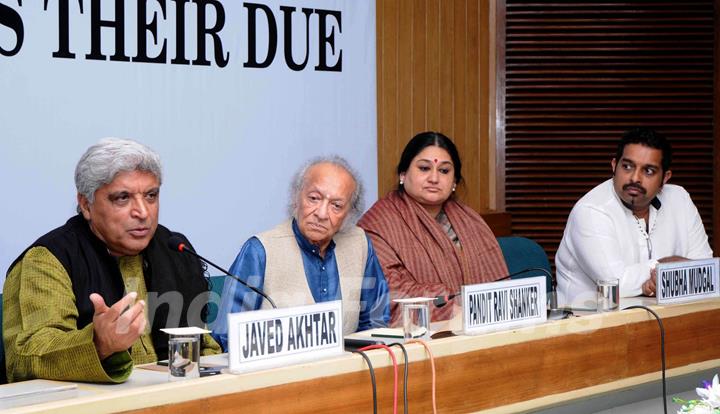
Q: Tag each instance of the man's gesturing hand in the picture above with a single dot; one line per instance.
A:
(117, 327)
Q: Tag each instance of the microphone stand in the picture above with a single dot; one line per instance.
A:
(553, 312)
(183, 248)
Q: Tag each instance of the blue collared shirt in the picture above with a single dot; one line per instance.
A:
(322, 277)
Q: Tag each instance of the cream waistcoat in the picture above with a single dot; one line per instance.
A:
(285, 280)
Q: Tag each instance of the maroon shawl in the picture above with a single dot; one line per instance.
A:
(418, 257)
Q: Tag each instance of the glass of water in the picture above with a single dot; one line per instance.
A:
(416, 321)
(608, 295)
(184, 357)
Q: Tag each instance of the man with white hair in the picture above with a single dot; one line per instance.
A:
(77, 301)
(317, 255)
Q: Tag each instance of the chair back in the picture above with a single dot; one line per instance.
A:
(522, 253)
(216, 285)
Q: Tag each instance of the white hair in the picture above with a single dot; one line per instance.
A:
(110, 156)
(357, 198)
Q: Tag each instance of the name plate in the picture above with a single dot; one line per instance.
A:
(270, 338)
(498, 306)
(687, 281)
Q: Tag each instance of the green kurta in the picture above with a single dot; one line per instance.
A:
(40, 329)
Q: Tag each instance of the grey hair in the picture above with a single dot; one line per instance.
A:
(110, 156)
(357, 198)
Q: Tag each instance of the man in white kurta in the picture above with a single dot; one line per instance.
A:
(623, 227)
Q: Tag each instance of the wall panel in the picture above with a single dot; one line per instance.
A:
(433, 74)
(576, 75)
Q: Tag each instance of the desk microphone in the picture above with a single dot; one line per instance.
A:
(442, 300)
(176, 243)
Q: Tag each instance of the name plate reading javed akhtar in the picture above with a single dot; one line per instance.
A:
(687, 281)
(498, 306)
(278, 337)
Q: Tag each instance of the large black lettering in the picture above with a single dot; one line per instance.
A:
(287, 16)
(221, 58)
(12, 20)
(143, 27)
(325, 39)
(118, 25)
(252, 61)
(180, 58)
(64, 29)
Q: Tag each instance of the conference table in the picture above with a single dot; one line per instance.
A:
(520, 370)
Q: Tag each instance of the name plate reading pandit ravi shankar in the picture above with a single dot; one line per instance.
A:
(687, 281)
(497, 306)
(278, 337)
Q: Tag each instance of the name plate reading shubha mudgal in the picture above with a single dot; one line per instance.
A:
(687, 281)
(503, 305)
(278, 337)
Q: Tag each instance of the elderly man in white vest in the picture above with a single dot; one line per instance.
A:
(317, 255)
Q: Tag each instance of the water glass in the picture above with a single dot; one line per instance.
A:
(608, 295)
(416, 321)
(184, 357)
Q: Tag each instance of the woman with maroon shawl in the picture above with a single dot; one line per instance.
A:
(429, 243)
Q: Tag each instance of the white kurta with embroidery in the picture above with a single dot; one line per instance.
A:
(604, 240)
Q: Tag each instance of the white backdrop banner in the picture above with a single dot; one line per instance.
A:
(233, 95)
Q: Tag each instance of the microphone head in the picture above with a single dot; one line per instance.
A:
(176, 243)
(441, 301)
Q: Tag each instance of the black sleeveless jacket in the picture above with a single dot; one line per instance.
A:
(175, 281)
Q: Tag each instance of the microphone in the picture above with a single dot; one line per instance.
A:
(553, 312)
(442, 300)
(176, 243)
